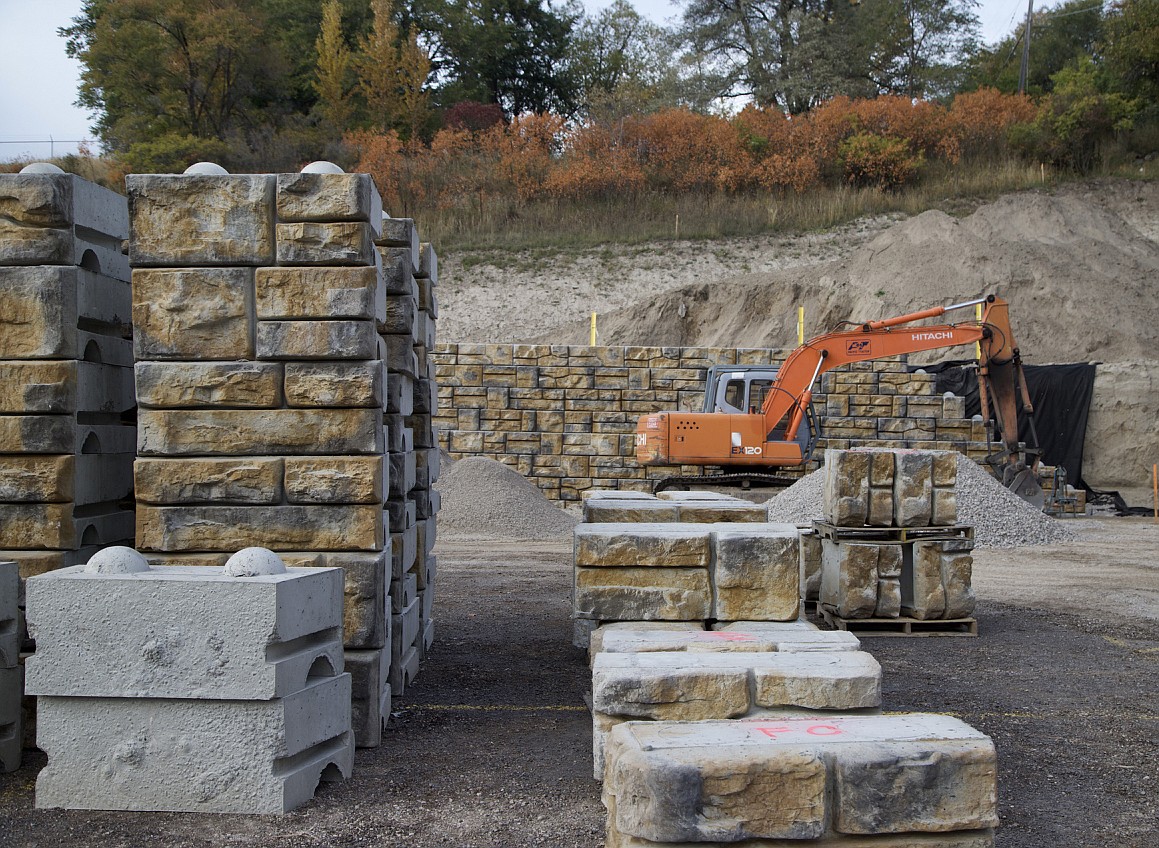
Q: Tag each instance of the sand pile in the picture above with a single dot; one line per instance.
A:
(1000, 518)
(486, 498)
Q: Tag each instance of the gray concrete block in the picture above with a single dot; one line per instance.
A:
(9, 613)
(427, 604)
(403, 552)
(56, 527)
(402, 234)
(370, 682)
(256, 757)
(398, 270)
(403, 592)
(403, 474)
(405, 628)
(182, 632)
(428, 266)
(426, 640)
(399, 394)
(400, 355)
(404, 670)
(401, 314)
(11, 719)
(400, 436)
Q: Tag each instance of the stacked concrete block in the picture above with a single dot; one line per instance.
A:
(66, 371)
(188, 688)
(685, 572)
(11, 684)
(686, 507)
(272, 410)
(411, 273)
(892, 543)
(738, 636)
(565, 417)
(858, 781)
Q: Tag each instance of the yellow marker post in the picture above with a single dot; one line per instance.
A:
(800, 325)
(978, 345)
(593, 341)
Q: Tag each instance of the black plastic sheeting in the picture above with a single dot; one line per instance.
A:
(1061, 395)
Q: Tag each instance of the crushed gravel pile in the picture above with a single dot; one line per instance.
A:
(481, 496)
(1000, 518)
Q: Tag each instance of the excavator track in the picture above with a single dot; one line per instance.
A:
(744, 480)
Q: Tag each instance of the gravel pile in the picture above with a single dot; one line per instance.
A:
(483, 497)
(1000, 519)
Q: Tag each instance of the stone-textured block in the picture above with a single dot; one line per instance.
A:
(61, 526)
(223, 432)
(335, 384)
(913, 488)
(846, 494)
(38, 313)
(642, 544)
(197, 385)
(849, 578)
(325, 292)
(201, 220)
(9, 616)
(279, 528)
(316, 340)
(365, 622)
(336, 479)
(11, 719)
(193, 313)
(756, 575)
(36, 478)
(329, 197)
(194, 756)
(34, 245)
(340, 243)
(642, 594)
(402, 234)
(207, 634)
(370, 695)
(810, 566)
(734, 637)
(236, 480)
(727, 781)
(56, 387)
(607, 510)
(936, 580)
(708, 512)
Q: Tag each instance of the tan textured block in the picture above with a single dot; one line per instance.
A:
(609, 510)
(342, 243)
(756, 577)
(329, 197)
(642, 594)
(173, 385)
(849, 578)
(335, 384)
(236, 480)
(37, 200)
(365, 619)
(913, 488)
(710, 513)
(279, 528)
(201, 220)
(36, 479)
(316, 340)
(642, 545)
(326, 292)
(36, 526)
(810, 566)
(336, 479)
(261, 432)
(20, 245)
(846, 494)
(193, 313)
(38, 313)
(676, 687)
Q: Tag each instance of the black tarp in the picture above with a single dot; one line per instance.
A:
(1061, 395)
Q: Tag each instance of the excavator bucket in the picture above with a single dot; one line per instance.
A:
(1025, 484)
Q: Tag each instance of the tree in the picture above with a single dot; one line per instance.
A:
(393, 71)
(334, 67)
(921, 45)
(1132, 47)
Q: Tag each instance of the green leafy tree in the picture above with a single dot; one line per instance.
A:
(1132, 48)
(332, 83)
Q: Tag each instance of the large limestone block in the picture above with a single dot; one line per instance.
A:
(37, 200)
(403, 235)
(619, 511)
(316, 340)
(60, 526)
(845, 501)
(670, 686)
(193, 313)
(889, 569)
(793, 636)
(324, 292)
(257, 757)
(201, 220)
(642, 594)
(755, 576)
(728, 781)
(849, 578)
(936, 580)
(734, 637)
(913, 488)
(713, 512)
(881, 481)
(36, 479)
(38, 313)
(401, 315)
(642, 545)
(596, 637)
(329, 197)
(280, 528)
(191, 480)
(182, 632)
(336, 384)
(224, 432)
(945, 480)
(340, 243)
(428, 266)
(197, 385)
(810, 566)
(365, 615)
(398, 270)
(831, 680)
(958, 839)
(56, 387)
(336, 479)
(34, 245)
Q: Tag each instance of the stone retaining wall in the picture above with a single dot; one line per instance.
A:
(565, 416)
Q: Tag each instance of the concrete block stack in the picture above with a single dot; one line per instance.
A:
(891, 545)
(918, 780)
(66, 370)
(684, 572)
(11, 683)
(411, 273)
(688, 507)
(194, 688)
(268, 414)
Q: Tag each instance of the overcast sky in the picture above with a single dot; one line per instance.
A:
(38, 83)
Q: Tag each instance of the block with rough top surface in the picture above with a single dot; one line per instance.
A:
(756, 574)
(642, 545)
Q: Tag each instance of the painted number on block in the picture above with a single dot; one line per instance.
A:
(813, 730)
(714, 635)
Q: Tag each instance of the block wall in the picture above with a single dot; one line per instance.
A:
(565, 416)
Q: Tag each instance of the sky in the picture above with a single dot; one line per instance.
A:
(38, 82)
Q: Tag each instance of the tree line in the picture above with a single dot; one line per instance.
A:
(269, 84)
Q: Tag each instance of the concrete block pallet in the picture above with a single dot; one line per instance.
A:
(278, 373)
(194, 689)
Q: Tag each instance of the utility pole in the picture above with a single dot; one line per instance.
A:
(1024, 69)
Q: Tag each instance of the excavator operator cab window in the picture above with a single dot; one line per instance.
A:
(758, 389)
(734, 394)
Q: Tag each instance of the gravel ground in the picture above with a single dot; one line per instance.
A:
(491, 746)
(483, 497)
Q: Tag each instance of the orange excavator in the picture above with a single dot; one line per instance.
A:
(757, 419)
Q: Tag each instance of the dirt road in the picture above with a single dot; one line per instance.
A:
(491, 747)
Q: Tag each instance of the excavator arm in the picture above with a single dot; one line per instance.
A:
(769, 437)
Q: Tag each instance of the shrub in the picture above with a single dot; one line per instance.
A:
(869, 159)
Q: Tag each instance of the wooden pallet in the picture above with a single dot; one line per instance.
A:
(901, 626)
(892, 534)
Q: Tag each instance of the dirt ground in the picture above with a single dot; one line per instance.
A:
(491, 746)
